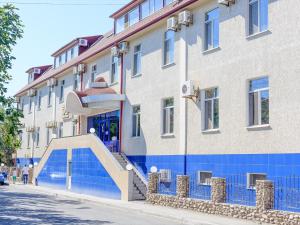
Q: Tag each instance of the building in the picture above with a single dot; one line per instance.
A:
(191, 87)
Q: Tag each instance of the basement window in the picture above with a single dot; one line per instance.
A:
(253, 177)
(204, 177)
(165, 176)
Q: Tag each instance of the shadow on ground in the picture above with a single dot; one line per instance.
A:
(36, 209)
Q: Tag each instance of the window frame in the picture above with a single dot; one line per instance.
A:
(136, 116)
(207, 46)
(114, 77)
(259, 103)
(39, 100)
(212, 99)
(199, 181)
(251, 183)
(28, 140)
(260, 29)
(30, 105)
(48, 136)
(37, 137)
(93, 72)
(166, 128)
(49, 97)
(171, 42)
(138, 54)
(60, 130)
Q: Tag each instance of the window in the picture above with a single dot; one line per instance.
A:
(66, 57)
(158, 4)
(259, 101)
(49, 96)
(122, 23)
(253, 177)
(134, 16)
(48, 136)
(168, 2)
(165, 176)
(37, 137)
(60, 60)
(93, 73)
(75, 85)
(137, 60)
(114, 69)
(204, 177)
(136, 121)
(30, 105)
(169, 47)
(168, 116)
(145, 9)
(30, 78)
(258, 16)
(22, 105)
(212, 29)
(60, 130)
(211, 109)
(74, 129)
(28, 140)
(62, 88)
(39, 100)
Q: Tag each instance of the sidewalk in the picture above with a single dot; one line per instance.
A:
(185, 216)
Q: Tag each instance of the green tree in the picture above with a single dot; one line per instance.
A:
(11, 29)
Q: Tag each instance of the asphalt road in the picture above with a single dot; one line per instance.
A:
(21, 206)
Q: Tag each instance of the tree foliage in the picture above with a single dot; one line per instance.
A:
(11, 29)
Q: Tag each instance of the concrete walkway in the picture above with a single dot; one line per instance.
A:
(181, 216)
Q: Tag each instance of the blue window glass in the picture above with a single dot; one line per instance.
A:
(169, 47)
(259, 84)
(212, 29)
(258, 16)
(159, 4)
(167, 2)
(134, 16)
(145, 9)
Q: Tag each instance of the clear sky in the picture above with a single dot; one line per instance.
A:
(49, 27)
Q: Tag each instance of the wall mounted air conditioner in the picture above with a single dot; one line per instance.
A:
(51, 124)
(81, 68)
(30, 129)
(172, 23)
(31, 92)
(185, 18)
(83, 42)
(165, 175)
(52, 82)
(75, 70)
(123, 47)
(115, 51)
(36, 70)
(226, 2)
(189, 89)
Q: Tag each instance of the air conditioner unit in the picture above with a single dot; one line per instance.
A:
(83, 42)
(115, 51)
(30, 129)
(36, 70)
(31, 92)
(189, 89)
(52, 82)
(75, 70)
(226, 2)
(185, 18)
(81, 68)
(51, 124)
(123, 47)
(172, 23)
(165, 175)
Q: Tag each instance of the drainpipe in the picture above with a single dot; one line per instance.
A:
(183, 101)
(121, 103)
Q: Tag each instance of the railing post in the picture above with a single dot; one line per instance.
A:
(153, 183)
(182, 186)
(264, 194)
(218, 190)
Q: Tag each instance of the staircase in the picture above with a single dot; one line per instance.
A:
(139, 183)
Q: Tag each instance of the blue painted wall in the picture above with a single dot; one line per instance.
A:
(90, 177)
(283, 169)
(54, 173)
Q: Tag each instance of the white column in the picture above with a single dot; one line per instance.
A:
(183, 102)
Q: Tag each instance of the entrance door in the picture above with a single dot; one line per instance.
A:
(107, 129)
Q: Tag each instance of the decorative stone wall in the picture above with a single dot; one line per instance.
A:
(182, 186)
(261, 213)
(153, 183)
(264, 194)
(218, 190)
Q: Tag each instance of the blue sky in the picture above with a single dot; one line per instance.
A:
(49, 27)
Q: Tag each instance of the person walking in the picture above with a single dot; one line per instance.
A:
(14, 175)
(25, 172)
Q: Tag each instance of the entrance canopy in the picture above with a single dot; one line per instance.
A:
(97, 99)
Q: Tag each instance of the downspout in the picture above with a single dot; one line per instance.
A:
(121, 103)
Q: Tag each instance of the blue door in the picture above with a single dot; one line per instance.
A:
(107, 129)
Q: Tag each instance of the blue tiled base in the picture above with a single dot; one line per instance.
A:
(90, 177)
(54, 173)
(234, 167)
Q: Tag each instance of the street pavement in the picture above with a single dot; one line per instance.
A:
(29, 205)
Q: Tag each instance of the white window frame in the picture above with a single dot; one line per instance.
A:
(251, 181)
(213, 99)
(60, 130)
(251, 2)
(199, 180)
(48, 136)
(30, 105)
(136, 131)
(165, 40)
(114, 77)
(62, 91)
(94, 70)
(258, 91)
(39, 100)
(28, 140)
(165, 176)
(207, 46)
(49, 96)
(166, 128)
(37, 137)
(137, 54)
(75, 82)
